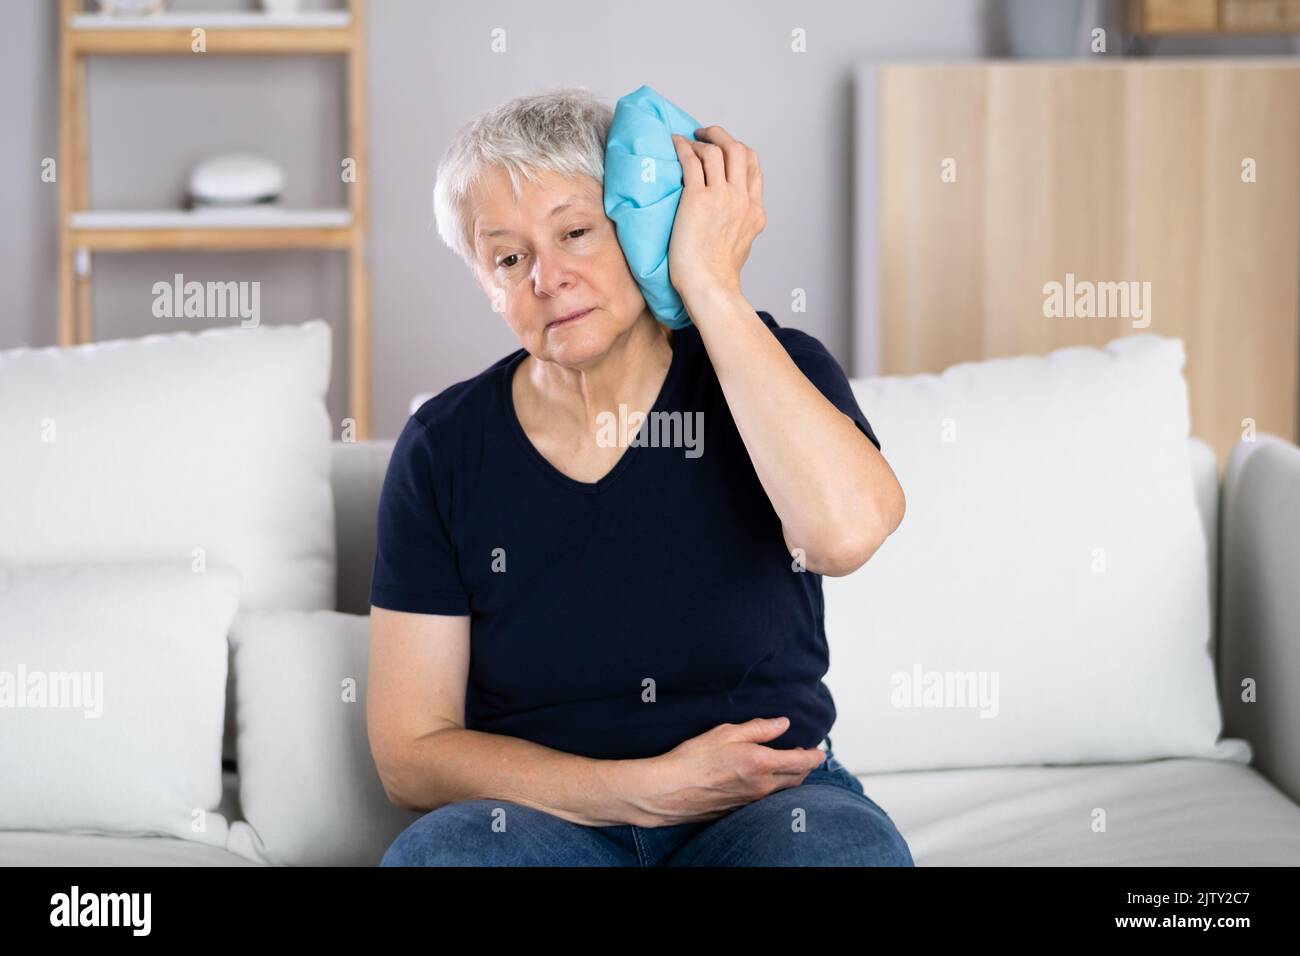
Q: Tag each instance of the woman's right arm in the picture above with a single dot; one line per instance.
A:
(415, 715)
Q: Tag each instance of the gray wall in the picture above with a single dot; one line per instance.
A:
(431, 69)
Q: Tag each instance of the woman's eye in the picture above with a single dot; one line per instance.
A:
(505, 262)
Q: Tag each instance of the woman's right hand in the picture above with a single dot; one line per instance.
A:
(708, 776)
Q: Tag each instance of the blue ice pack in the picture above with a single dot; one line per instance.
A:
(643, 185)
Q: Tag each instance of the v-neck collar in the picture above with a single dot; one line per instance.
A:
(629, 453)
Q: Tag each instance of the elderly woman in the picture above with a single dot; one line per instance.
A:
(603, 645)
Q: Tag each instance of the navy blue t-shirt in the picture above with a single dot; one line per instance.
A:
(618, 618)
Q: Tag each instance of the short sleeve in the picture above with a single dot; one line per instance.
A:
(820, 367)
(415, 557)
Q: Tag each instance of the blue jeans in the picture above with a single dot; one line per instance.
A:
(825, 821)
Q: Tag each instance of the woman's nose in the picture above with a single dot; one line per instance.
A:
(551, 274)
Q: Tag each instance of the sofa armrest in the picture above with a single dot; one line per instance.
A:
(1259, 605)
(1205, 484)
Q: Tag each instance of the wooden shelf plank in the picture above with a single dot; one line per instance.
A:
(141, 230)
(172, 20)
(256, 217)
(230, 33)
(230, 239)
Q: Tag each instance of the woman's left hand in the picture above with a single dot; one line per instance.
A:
(720, 213)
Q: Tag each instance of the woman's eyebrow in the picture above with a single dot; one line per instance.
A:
(566, 204)
(490, 233)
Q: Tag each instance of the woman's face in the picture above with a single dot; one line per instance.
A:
(552, 253)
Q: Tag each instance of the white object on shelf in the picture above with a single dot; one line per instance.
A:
(235, 179)
(251, 20)
(253, 217)
(281, 6)
(132, 8)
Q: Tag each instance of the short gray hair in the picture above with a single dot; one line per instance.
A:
(561, 130)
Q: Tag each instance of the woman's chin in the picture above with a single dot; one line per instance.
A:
(575, 346)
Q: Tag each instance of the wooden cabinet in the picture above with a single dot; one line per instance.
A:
(994, 179)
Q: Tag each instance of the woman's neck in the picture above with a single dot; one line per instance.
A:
(630, 373)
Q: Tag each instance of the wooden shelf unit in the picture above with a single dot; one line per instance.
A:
(1175, 17)
(83, 230)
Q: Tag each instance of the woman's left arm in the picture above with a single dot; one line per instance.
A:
(836, 496)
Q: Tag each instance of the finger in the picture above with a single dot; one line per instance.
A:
(735, 156)
(692, 172)
(796, 761)
(715, 134)
(755, 179)
(757, 729)
(714, 162)
(738, 165)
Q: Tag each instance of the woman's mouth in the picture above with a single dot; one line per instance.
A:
(574, 317)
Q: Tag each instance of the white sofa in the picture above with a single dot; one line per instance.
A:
(1236, 805)
(1178, 811)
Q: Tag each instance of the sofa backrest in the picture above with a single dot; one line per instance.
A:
(358, 476)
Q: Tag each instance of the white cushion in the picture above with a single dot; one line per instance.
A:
(1051, 564)
(211, 445)
(308, 786)
(1178, 812)
(133, 744)
(147, 449)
